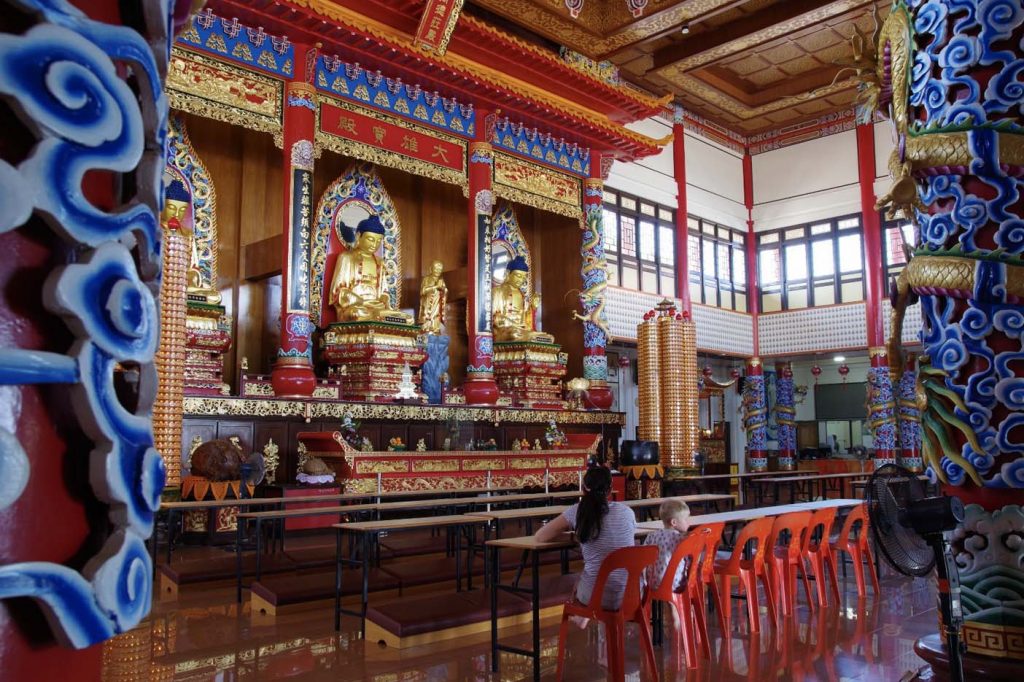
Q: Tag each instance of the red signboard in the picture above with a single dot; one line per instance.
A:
(394, 138)
(437, 24)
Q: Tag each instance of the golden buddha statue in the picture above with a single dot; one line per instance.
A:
(357, 288)
(433, 298)
(513, 317)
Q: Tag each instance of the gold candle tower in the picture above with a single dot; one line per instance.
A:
(647, 379)
(667, 362)
(170, 356)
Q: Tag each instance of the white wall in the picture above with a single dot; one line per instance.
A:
(714, 176)
(884, 145)
(714, 182)
(809, 181)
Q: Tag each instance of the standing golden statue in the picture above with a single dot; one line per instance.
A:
(513, 317)
(433, 298)
(357, 288)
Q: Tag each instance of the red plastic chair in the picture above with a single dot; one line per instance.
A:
(819, 553)
(853, 539)
(689, 600)
(747, 571)
(787, 559)
(633, 560)
(707, 567)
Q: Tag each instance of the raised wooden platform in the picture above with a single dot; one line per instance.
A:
(435, 618)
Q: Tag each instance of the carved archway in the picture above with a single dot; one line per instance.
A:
(507, 242)
(184, 164)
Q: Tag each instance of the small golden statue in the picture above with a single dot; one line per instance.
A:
(513, 318)
(357, 288)
(433, 298)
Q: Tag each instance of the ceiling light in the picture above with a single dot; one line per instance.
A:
(686, 29)
(839, 358)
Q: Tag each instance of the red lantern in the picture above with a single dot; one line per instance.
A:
(843, 371)
(816, 371)
(707, 371)
(735, 373)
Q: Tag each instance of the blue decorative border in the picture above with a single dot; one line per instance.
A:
(237, 43)
(541, 147)
(409, 101)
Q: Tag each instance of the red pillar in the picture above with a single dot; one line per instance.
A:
(293, 372)
(753, 294)
(479, 387)
(874, 287)
(682, 232)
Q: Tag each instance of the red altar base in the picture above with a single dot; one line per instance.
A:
(299, 490)
(204, 361)
(444, 470)
(211, 525)
(208, 336)
(530, 373)
(374, 355)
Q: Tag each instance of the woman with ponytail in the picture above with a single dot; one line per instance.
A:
(601, 527)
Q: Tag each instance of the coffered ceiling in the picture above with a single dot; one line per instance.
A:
(749, 65)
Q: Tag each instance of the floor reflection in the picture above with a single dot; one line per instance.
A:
(206, 636)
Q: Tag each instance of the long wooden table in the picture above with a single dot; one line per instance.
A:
(532, 548)
(279, 515)
(170, 509)
(370, 530)
(806, 484)
(743, 478)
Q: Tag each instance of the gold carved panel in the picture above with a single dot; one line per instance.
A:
(536, 186)
(209, 88)
(477, 464)
(372, 466)
(567, 462)
(528, 463)
(434, 465)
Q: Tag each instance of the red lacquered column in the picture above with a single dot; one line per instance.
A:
(479, 387)
(595, 278)
(682, 231)
(293, 372)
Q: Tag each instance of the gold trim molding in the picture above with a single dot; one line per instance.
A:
(314, 409)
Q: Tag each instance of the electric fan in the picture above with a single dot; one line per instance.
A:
(253, 471)
(913, 532)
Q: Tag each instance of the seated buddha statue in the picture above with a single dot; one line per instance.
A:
(513, 315)
(357, 288)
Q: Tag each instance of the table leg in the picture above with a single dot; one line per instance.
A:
(238, 560)
(337, 580)
(458, 558)
(259, 549)
(536, 616)
(170, 535)
(366, 581)
(495, 563)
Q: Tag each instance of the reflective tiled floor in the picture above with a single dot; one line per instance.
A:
(204, 635)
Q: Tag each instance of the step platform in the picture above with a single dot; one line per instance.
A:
(193, 571)
(428, 619)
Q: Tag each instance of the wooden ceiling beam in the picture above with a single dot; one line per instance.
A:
(735, 30)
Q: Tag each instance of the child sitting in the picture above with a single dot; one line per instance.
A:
(675, 516)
